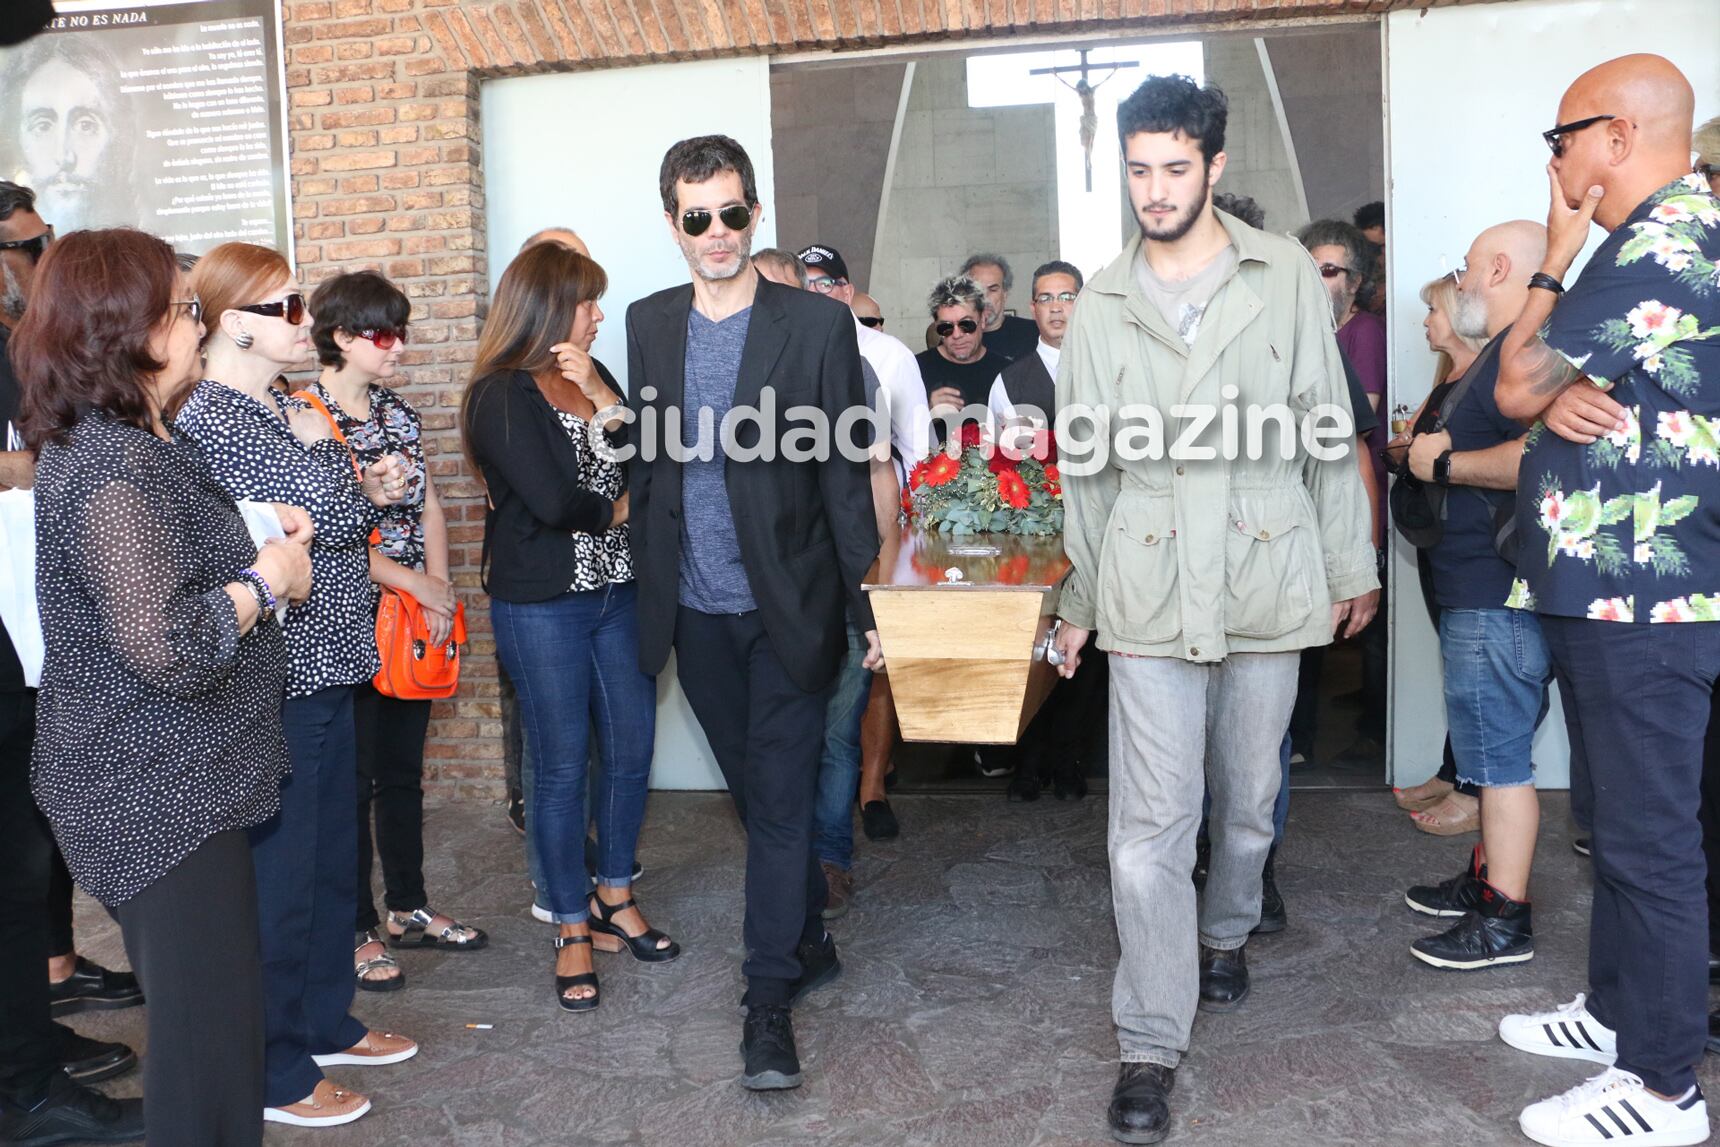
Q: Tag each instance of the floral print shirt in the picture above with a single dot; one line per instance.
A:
(1627, 529)
(392, 428)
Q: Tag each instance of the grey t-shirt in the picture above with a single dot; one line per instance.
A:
(1183, 302)
(713, 580)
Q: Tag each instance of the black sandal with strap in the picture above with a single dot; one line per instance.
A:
(583, 979)
(644, 946)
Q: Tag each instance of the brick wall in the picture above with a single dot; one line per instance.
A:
(385, 153)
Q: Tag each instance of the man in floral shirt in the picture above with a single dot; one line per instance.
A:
(1619, 513)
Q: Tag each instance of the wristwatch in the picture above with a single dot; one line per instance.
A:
(259, 587)
(1442, 469)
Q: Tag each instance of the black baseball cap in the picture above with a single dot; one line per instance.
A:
(826, 259)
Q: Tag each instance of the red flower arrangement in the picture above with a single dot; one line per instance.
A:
(983, 490)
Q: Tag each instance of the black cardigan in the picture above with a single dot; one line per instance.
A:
(536, 501)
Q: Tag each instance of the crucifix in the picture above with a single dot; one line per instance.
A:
(1083, 88)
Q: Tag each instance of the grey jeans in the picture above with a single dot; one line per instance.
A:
(1178, 730)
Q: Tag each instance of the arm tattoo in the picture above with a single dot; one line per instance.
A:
(1547, 371)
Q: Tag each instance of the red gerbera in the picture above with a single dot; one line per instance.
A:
(1051, 472)
(917, 475)
(1000, 461)
(1012, 490)
(941, 469)
(1054, 489)
(908, 503)
(970, 435)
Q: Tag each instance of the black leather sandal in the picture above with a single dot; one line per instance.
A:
(644, 947)
(583, 979)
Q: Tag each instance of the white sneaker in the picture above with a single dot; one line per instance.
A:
(1614, 1106)
(539, 912)
(1569, 1032)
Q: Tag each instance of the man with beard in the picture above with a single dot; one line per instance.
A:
(70, 131)
(1008, 336)
(1204, 577)
(744, 566)
(1496, 665)
(43, 1064)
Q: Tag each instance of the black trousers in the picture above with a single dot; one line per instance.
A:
(1070, 729)
(27, 1041)
(1637, 700)
(192, 939)
(390, 735)
(767, 734)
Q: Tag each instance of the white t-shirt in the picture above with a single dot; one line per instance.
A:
(899, 384)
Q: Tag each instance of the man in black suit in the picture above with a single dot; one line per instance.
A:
(743, 563)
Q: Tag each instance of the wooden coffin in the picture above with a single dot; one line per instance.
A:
(964, 624)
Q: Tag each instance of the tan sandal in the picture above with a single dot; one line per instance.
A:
(1420, 798)
(1454, 816)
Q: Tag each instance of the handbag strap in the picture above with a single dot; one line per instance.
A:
(310, 396)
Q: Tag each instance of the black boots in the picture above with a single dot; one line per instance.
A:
(1498, 930)
(1140, 1110)
(1273, 918)
(1453, 897)
(1223, 978)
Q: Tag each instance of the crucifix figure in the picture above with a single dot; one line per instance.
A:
(1084, 88)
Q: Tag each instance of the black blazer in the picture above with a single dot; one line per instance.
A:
(531, 471)
(806, 529)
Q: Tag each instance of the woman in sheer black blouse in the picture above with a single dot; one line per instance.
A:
(159, 733)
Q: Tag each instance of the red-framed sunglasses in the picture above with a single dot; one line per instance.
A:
(384, 338)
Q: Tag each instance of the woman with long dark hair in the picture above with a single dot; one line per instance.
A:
(562, 599)
(262, 444)
(359, 328)
(159, 738)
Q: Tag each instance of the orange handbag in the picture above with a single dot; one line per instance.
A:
(412, 668)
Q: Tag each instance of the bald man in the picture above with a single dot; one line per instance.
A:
(566, 236)
(1496, 665)
(1620, 521)
(867, 310)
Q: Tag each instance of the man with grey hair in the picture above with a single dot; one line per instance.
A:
(566, 236)
(781, 266)
(1005, 334)
(958, 371)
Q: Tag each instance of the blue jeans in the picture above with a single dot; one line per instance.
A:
(839, 768)
(574, 661)
(1496, 674)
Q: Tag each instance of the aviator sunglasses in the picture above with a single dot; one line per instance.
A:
(945, 329)
(291, 308)
(697, 220)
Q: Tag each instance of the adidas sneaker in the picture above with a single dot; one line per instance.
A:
(1615, 1107)
(1569, 1032)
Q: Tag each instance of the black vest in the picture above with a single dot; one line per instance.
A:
(1028, 383)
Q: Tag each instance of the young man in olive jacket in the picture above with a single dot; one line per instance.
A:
(744, 566)
(1204, 573)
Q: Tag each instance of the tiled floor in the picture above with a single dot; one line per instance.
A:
(975, 1003)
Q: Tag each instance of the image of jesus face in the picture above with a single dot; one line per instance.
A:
(65, 138)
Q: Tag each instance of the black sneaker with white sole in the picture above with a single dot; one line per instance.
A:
(767, 1047)
(1454, 897)
(1498, 931)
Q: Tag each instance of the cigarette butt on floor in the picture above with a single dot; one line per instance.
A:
(480, 1027)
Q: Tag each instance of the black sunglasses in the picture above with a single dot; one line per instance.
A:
(876, 322)
(1555, 137)
(697, 220)
(35, 246)
(968, 327)
(1333, 270)
(291, 308)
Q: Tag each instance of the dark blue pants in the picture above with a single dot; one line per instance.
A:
(27, 1040)
(1636, 703)
(305, 857)
(767, 734)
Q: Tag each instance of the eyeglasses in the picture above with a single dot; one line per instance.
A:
(193, 305)
(824, 284)
(1333, 270)
(1555, 137)
(876, 322)
(697, 220)
(35, 246)
(1047, 297)
(291, 308)
(968, 327)
(384, 338)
